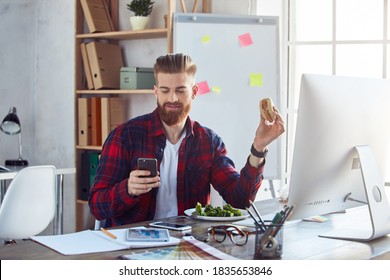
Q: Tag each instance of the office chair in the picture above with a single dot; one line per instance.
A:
(29, 203)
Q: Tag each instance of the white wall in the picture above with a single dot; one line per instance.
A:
(54, 94)
(37, 76)
(17, 55)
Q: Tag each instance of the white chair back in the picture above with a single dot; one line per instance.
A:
(99, 224)
(29, 203)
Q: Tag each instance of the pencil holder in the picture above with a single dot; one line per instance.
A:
(269, 242)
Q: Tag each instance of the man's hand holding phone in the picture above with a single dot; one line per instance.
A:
(145, 178)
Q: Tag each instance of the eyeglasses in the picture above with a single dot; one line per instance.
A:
(236, 235)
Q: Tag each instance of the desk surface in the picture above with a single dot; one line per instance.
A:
(300, 241)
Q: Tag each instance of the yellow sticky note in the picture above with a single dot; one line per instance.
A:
(216, 89)
(206, 39)
(256, 80)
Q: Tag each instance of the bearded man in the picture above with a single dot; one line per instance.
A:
(190, 157)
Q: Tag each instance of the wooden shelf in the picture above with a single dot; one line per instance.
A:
(82, 201)
(91, 148)
(127, 35)
(114, 91)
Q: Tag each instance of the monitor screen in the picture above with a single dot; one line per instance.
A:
(335, 115)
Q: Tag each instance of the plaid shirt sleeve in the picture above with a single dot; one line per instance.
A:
(235, 188)
(205, 162)
(109, 193)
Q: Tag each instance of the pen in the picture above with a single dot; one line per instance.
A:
(257, 212)
(275, 224)
(254, 219)
(285, 215)
(277, 218)
(108, 233)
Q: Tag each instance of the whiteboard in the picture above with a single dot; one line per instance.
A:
(238, 65)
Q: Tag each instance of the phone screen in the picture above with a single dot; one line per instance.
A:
(172, 226)
(148, 164)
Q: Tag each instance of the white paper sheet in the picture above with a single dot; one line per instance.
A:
(94, 241)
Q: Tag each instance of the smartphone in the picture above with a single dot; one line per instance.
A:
(148, 164)
(173, 226)
(147, 234)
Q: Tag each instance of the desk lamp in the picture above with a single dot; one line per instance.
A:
(11, 126)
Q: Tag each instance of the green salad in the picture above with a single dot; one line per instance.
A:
(210, 211)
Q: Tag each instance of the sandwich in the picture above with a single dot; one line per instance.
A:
(267, 110)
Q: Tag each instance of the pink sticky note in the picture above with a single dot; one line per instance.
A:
(203, 88)
(245, 40)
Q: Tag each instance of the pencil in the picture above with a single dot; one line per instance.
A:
(108, 233)
(254, 219)
(257, 212)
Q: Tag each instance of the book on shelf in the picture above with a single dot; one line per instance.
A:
(87, 67)
(84, 121)
(105, 61)
(96, 121)
(97, 116)
(113, 114)
(97, 16)
(89, 164)
(105, 107)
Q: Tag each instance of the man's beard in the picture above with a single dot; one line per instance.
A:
(173, 118)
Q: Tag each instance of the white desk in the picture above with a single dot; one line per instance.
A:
(58, 218)
(300, 241)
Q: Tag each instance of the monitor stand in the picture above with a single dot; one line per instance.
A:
(378, 206)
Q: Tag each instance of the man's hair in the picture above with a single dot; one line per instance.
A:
(173, 64)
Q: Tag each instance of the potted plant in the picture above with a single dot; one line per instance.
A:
(141, 9)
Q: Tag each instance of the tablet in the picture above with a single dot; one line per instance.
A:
(146, 234)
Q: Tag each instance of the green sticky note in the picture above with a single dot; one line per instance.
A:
(256, 80)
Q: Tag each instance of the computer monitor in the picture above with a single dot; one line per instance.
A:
(341, 151)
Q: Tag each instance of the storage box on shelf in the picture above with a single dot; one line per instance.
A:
(136, 77)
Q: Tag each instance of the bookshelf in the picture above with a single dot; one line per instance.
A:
(82, 35)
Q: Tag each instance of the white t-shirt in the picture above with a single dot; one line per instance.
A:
(167, 192)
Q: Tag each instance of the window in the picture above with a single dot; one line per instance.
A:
(339, 37)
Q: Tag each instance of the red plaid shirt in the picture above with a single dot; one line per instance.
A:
(202, 161)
